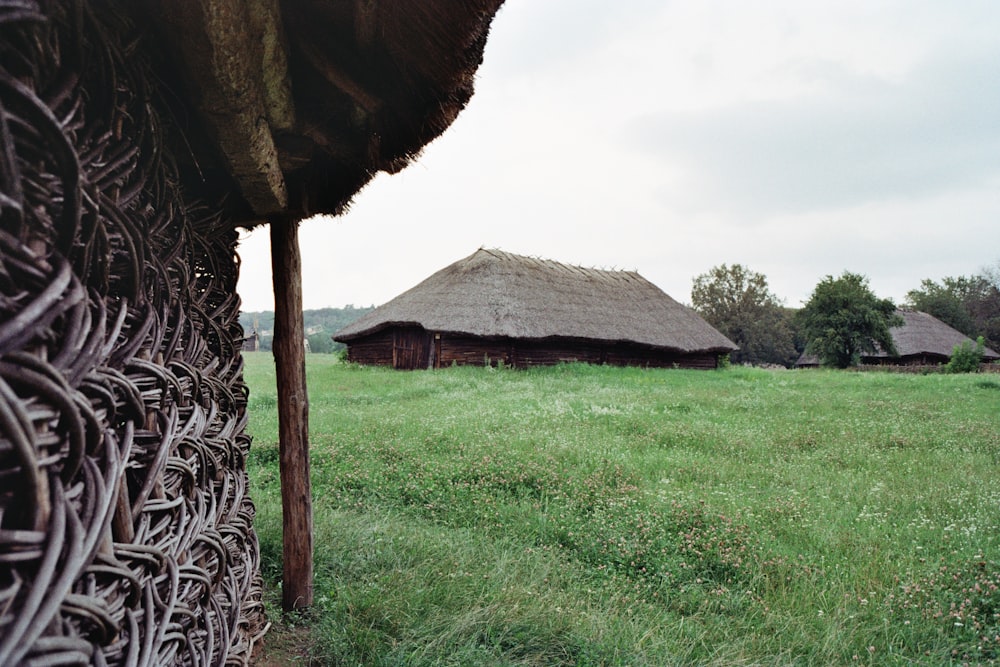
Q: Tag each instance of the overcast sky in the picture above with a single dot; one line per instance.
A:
(799, 138)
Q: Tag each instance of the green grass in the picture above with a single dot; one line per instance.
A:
(581, 515)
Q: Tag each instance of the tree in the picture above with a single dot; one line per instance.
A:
(969, 304)
(320, 342)
(737, 302)
(965, 358)
(989, 313)
(843, 318)
(944, 303)
(322, 323)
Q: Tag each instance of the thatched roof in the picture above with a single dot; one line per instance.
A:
(497, 294)
(299, 103)
(923, 334)
(920, 335)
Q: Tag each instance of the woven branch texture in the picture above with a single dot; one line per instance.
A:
(126, 532)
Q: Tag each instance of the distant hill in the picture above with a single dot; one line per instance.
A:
(319, 325)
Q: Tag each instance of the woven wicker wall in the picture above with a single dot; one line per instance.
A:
(125, 528)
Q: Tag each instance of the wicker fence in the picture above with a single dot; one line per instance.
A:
(125, 528)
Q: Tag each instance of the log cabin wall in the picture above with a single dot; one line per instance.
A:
(402, 348)
(412, 348)
(907, 360)
(472, 351)
(373, 350)
(464, 350)
(633, 355)
(127, 528)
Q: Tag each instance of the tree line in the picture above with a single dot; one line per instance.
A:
(319, 325)
(843, 317)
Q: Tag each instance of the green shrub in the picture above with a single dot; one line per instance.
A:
(965, 358)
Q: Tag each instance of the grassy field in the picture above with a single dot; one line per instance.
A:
(582, 515)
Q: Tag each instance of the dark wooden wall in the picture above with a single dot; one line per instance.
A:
(909, 360)
(413, 348)
(373, 350)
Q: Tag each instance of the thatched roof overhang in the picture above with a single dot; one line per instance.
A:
(498, 295)
(294, 105)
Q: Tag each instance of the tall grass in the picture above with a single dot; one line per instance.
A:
(583, 515)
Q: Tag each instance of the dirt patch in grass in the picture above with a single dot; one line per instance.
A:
(283, 645)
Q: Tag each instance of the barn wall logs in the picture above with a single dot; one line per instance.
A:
(126, 531)
(385, 348)
(472, 351)
(464, 350)
(411, 348)
(926, 359)
(373, 350)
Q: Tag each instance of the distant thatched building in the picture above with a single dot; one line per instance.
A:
(922, 340)
(497, 307)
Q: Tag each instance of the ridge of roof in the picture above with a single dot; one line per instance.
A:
(554, 265)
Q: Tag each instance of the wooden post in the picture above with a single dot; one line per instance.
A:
(293, 416)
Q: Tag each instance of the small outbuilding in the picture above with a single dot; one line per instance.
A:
(496, 307)
(922, 340)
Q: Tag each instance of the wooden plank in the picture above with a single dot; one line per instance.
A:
(293, 416)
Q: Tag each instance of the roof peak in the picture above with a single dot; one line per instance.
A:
(544, 262)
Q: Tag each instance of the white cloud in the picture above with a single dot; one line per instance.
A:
(866, 141)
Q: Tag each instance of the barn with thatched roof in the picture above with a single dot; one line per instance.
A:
(135, 139)
(497, 307)
(921, 340)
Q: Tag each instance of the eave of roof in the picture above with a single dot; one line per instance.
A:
(304, 101)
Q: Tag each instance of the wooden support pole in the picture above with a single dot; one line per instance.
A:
(293, 416)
